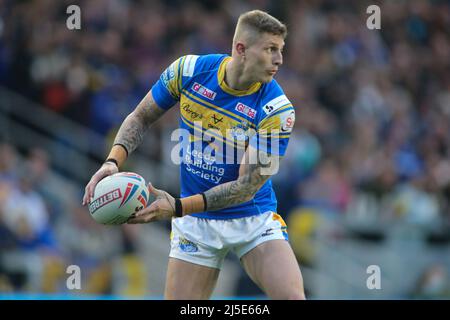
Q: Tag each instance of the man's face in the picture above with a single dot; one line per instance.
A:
(264, 57)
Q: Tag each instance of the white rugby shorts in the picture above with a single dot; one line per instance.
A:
(207, 241)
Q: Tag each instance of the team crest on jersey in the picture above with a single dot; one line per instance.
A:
(242, 108)
(204, 91)
(239, 131)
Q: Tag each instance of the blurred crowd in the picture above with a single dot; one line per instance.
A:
(372, 137)
(44, 231)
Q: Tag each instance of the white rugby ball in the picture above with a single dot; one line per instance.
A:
(117, 197)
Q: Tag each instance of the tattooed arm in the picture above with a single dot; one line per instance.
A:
(129, 137)
(133, 128)
(252, 176)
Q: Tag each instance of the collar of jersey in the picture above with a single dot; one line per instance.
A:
(223, 85)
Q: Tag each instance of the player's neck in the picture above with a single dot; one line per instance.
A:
(235, 78)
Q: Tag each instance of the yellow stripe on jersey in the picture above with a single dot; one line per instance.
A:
(210, 106)
(180, 77)
(206, 115)
(211, 133)
(208, 112)
(173, 85)
(201, 129)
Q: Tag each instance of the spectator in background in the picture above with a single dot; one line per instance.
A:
(328, 191)
(38, 166)
(24, 218)
(433, 283)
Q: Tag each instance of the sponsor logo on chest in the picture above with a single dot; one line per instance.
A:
(191, 111)
(204, 91)
(246, 110)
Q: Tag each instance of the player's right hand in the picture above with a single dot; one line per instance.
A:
(107, 169)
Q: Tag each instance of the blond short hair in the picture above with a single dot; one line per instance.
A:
(257, 22)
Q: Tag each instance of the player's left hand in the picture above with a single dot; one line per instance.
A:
(162, 208)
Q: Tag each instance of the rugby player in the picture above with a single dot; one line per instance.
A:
(231, 103)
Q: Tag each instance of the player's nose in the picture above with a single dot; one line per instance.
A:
(278, 59)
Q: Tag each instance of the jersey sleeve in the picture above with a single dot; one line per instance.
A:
(275, 126)
(166, 91)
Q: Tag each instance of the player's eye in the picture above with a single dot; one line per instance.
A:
(276, 49)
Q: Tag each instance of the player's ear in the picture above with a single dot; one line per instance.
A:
(240, 49)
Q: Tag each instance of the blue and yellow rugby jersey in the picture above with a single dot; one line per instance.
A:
(228, 120)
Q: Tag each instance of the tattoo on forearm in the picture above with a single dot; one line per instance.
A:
(235, 192)
(132, 130)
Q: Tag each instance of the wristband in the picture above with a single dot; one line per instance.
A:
(204, 201)
(113, 161)
(123, 146)
(178, 208)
